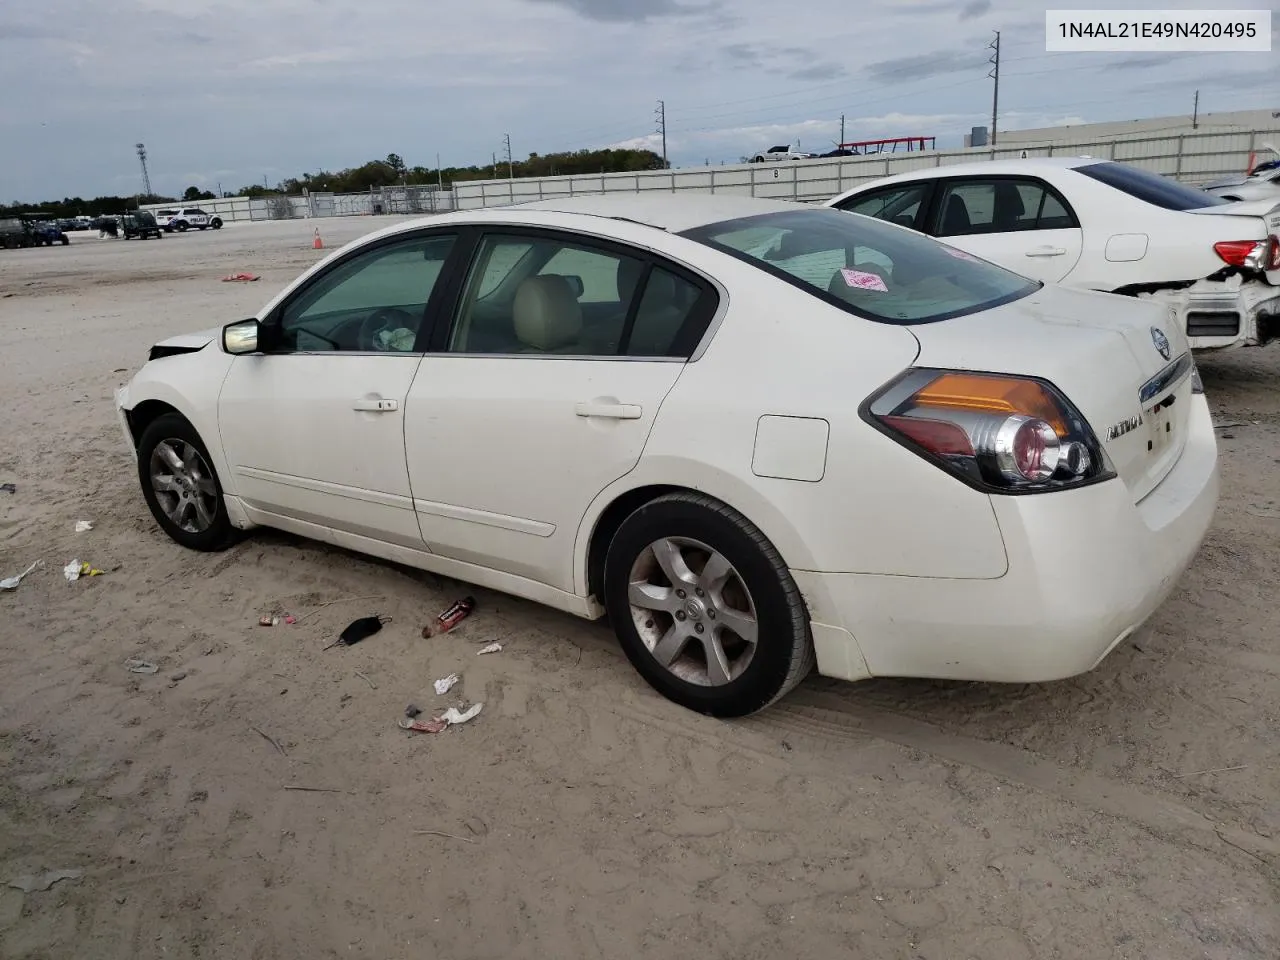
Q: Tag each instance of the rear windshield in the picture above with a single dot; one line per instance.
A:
(1150, 187)
(870, 268)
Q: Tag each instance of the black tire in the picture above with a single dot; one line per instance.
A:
(784, 653)
(174, 427)
(65, 241)
(216, 223)
(182, 227)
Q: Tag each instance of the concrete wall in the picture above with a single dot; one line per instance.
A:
(1197, 157)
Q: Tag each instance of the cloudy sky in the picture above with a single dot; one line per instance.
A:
(231, 91)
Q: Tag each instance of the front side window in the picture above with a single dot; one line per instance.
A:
(375, 301)
(550, 296)
(1149, 187)
(866, 267)
(900, 205)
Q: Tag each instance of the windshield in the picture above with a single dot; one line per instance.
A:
(1150, 187)
(872, 269)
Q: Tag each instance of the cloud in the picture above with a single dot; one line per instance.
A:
(1142, 62)
(628, 11)
(231, 90)
(920, 66)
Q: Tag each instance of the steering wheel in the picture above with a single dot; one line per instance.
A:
(383, 319)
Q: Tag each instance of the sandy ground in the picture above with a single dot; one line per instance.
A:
(890, 819)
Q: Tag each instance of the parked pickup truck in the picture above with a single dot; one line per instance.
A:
(783, 152)
(15, 232)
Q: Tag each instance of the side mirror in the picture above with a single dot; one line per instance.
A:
(240, 338)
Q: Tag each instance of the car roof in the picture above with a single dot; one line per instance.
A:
(672, 212)
(990, 168)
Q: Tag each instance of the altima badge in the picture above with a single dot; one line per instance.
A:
(1133, 423)
(1161, 342)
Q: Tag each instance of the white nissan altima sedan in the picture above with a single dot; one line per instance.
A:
(756, 435)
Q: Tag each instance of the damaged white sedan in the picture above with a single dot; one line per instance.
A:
(1106, 226)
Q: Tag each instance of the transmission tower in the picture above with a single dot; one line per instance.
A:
(146, 177)
(994, 74)
(660, 114)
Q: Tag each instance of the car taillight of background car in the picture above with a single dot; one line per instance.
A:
(1002, 434)
(1250, 254)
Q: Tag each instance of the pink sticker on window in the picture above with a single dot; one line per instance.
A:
(960, 254)
(863, 281)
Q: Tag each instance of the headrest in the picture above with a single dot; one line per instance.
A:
(546, 314)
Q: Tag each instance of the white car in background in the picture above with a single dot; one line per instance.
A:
(756, 434)
(1262, 183)
(1214, 265)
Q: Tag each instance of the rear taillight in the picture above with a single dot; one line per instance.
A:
(1002, 434)
(1250, 254)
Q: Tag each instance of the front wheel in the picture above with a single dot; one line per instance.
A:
(182, 228)
(216, 224)
(705, 608)
(181, 487)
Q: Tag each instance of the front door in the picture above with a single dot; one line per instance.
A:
(1018, 222)
(313, 427)
(543, 393)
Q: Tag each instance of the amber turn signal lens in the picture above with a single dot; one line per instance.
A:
(985, 393)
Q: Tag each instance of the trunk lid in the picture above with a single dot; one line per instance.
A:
(1103, 352)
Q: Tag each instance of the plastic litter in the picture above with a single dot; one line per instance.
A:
(84, 526)
(36, 883)
(412, 711)
(141, 666)
(491, 648)
(8, 488)
(76, 569)
(11, 583)
(268, 621)
(450, 618)
(240, 278)
(450, 718)
(444, 685)
(358, 630)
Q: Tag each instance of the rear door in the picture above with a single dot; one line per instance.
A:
(542, 393)
(1021, 223)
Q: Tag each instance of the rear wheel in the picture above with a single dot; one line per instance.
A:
(182, 227)
(705, 607)
(216, 224)
(181, 487)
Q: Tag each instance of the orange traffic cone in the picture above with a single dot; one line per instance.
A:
(317, 243)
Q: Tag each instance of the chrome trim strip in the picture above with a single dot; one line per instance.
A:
(1165, 379)
(323, 486)
(483, 517)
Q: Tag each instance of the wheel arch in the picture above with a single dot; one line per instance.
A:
(666, 475)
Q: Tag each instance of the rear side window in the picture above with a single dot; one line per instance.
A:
(1149, 187)
(866, 267)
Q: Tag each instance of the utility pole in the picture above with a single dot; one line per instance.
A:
(439, 174)
(494, 156)
(661, 116)
(1195, 111)
(511, 175)
(841, 143)
(146, 177)
(994, 74)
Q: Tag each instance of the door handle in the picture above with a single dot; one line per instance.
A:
(375, 405)
(612, 411)
(1046, 251)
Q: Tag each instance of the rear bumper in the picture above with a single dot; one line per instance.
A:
(1086, 569)
(1226, 313)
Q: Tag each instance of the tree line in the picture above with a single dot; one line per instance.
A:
(390, 171)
